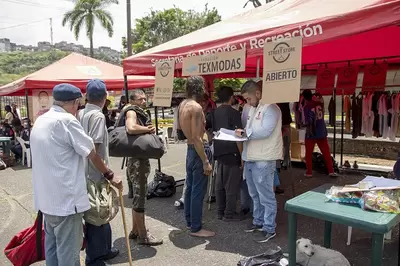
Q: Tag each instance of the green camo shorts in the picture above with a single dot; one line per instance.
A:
(138, 171)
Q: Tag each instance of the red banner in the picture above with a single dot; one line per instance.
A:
(325, 81)
(347, 80)
(375, 77)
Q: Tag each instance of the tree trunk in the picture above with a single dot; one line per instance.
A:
(91, 45)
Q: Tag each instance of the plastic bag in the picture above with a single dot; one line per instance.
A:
(334, 194)
(271, 258)
(381, 201)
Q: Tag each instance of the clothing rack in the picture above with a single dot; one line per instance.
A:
(342, 105)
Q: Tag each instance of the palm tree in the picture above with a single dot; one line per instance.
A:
(256, 3)
(85, 13)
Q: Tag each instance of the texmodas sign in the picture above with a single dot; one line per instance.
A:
(225, 62)
(282, 71)
(164, 84)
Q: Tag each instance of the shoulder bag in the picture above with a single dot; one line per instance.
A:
(103, 199)
(144, 146)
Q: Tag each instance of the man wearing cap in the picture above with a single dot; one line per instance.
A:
(59, 147)
(98, 238)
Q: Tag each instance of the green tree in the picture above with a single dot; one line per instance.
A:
(85, 13)
(161, 26)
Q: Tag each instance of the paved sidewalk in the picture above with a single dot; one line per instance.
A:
(179, 249)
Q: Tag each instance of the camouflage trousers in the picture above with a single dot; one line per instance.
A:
(137, 172)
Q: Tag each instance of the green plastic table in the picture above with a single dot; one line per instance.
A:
(313, 204)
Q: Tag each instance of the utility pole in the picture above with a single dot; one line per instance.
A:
(51, 31)
(129, 28)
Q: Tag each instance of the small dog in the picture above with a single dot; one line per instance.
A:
(308, 254)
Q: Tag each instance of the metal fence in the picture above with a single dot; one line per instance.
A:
(20, 101)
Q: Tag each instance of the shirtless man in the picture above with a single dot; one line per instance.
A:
(198, 168)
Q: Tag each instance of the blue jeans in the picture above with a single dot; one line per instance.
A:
(63, 239)
(260, 181)
(277, 182)
(98, 243)
(196, 187)
(245, 199)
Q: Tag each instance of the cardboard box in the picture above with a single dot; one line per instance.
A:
(297, 151)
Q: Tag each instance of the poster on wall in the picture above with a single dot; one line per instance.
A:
(325, 80)
(347, 80)
(218, 63)
(164, 84)
(374, 77)
(282, 71)
(41, 102)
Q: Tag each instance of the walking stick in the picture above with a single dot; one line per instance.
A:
(121, 200)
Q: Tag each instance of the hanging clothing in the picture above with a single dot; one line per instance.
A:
(383, 116)
(375, 114)
(299, 113)
(393, 111)
(367, 116)
(356, 116)
(347, 111)
(331, 110)
(174, 135)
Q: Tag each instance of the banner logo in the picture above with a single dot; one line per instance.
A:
(281, 52)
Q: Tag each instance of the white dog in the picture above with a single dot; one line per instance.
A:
(308, 254)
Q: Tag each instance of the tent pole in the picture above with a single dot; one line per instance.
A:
(27, 107)
(334, 123)
(126, 88)
(156, 120)
(342, 132)
(258, 68)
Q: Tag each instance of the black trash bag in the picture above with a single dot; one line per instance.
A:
(319, 163)
(269, 258)
(162, 186)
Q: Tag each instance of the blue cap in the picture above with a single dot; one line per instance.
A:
(96, 86)
(66, 92)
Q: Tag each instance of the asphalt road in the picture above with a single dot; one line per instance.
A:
(180, 249)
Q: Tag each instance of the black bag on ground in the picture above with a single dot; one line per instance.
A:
(145, 146)
(269, 258)
(319, 163)
(162, 186)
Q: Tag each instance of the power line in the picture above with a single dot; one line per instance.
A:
(23, 24)
(26, 3)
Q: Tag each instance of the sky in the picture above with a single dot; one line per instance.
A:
(27, 21)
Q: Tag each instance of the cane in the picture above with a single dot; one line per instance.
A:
(121, 200)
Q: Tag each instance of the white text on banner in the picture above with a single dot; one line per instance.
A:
(282, 71)
(224, 62)
(164, 84)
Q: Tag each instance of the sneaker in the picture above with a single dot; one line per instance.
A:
(179, 204)
(252, 228)
(278, 190)
(149, 240)
(220, 216)
(333, 175)
(263, 237)
(308, 175)
(355, 165)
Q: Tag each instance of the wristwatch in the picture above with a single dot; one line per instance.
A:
(109, 175)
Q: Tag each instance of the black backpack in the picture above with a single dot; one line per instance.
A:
(162, 186)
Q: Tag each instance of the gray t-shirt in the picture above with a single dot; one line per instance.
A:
(93, 122)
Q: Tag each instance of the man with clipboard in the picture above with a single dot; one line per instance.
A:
(260, 153)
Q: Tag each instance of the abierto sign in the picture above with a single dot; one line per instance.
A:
(224, 62)
(282, 71)
(164, 83)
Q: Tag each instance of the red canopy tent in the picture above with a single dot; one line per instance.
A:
(75, 69)
(332, 31)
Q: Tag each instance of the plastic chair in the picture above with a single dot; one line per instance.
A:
(26, 152)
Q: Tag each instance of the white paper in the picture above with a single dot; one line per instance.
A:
(228, 135)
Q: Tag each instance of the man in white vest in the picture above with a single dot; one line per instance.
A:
(260, 152)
